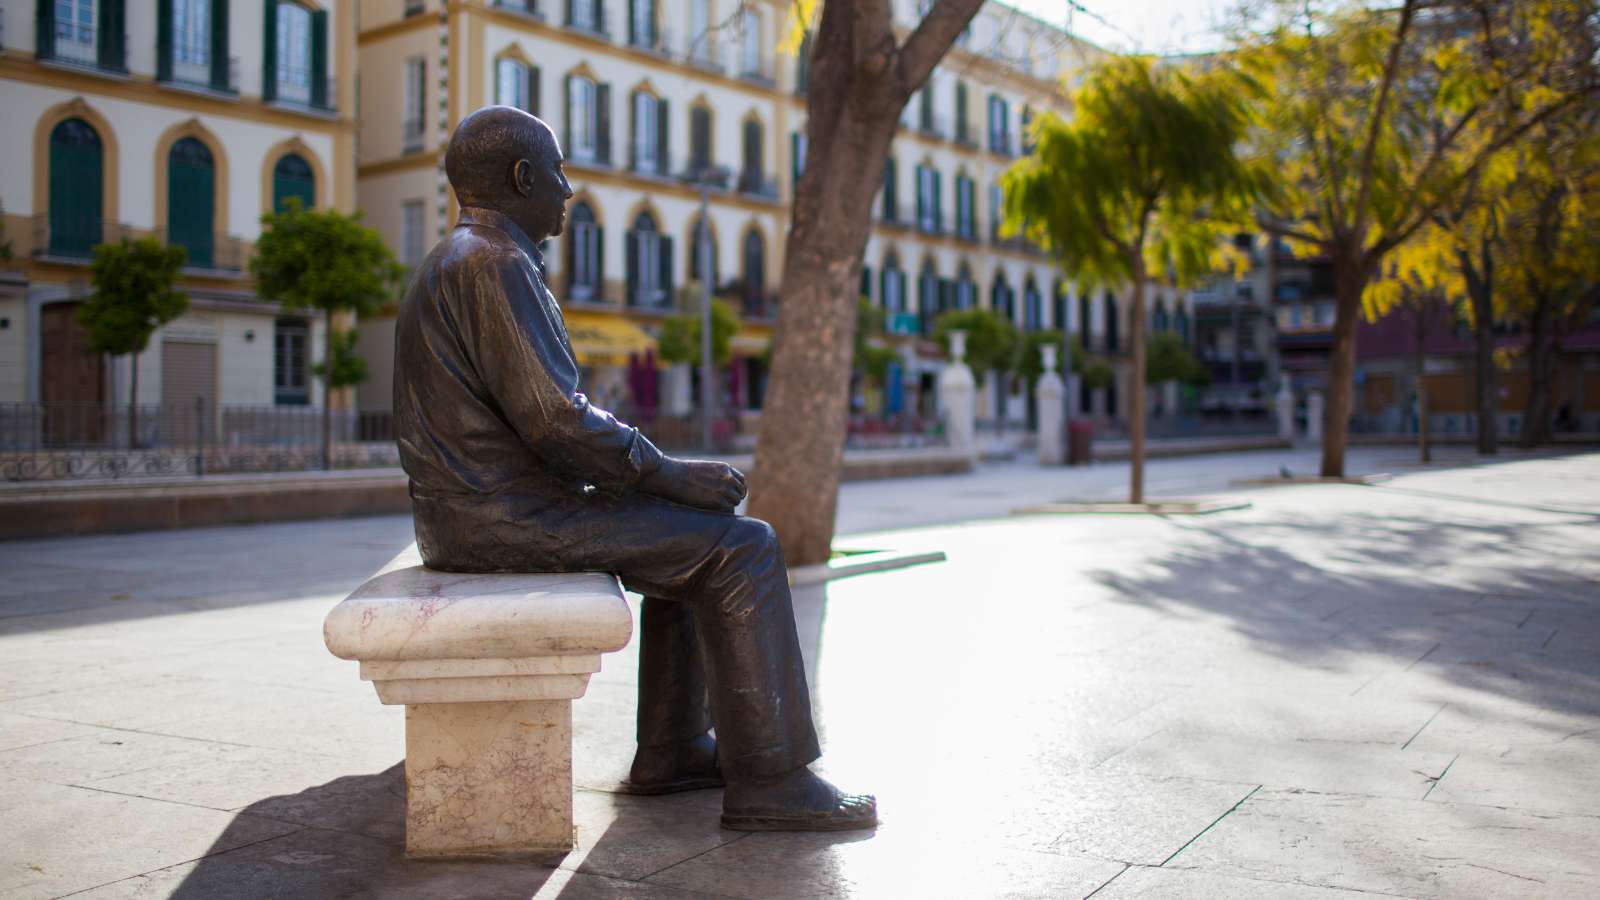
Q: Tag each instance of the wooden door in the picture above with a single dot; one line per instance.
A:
(188, 374)
(72, 378)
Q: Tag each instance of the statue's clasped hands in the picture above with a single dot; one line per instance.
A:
(701, 483)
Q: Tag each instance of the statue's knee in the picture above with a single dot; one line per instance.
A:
(755, 535)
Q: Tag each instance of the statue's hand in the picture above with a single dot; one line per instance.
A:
(699, 483)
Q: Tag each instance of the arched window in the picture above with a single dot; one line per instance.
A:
(1112, 341)
(1183, 324)
(516, 84)
(755, 273)
(1032, 306)
(649, 147)
(76, 190)
(191, 200)
(1159, 319)
(585, 263)
(891, 191)
(963, 126)
(1002, 299)
(1058, 306)
(751, 176)
(927, 295)
(588, 120)
(699, 139)
(894, 288)
(966, 288)
(1083, 325)
(292, 177)
(696, 231)
(649, 255)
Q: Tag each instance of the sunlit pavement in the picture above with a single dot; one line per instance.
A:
(1342, 689)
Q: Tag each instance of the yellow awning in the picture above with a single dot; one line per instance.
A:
(605, 339)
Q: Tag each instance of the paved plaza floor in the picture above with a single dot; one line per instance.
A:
(1342, 690)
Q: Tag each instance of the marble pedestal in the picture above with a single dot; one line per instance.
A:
(487, 667)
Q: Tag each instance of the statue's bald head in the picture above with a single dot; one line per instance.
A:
(504, 159)
(485, 148)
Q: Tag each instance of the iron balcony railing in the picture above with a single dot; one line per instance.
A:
(756, 184)
(411, 135)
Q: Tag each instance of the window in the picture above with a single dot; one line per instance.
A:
(752, 178)
(930, 216)
(411, 231)
(1032, 306)
(649, 134)
(1158, 319)
(516, 84)
(755, 274)
(75, 31)
(588, 121)
(584, 14)
(700, 31)
(294, 53)
(642, 23)
(966, 215)
(928, 288)
(1083, 326)
(191, 40)
(925, 109)
(1058, 307)
(1183, 324)
(291, 339)
(416, 88)
(966, 289)
(891, 192)
(1112, 343)
(893, 290)
(649, 256)
(797, 156)
(699, 140)
(963, 127)
(999, 125)
(750, 44)
(1027, 139)
(1001, 299)
(996, 207)
(76, 194)
(292, 177)
(697, 232)
(191, 200)
(585, 271)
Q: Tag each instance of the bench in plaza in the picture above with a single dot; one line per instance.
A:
(487, 667)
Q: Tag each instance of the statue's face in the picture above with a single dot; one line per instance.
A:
(543, 186)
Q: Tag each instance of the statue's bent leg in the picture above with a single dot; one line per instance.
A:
(676, 752)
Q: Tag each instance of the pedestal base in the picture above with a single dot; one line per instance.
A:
(488, 779)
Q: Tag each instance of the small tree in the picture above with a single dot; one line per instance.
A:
(327, 261)
(1168, 359)
(872, 358)
(680, 335)
(1141, 183)
(134, 294)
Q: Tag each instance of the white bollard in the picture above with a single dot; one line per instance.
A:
(1285, 404)
(1049, 393)
(1314, 417)
(958, 399)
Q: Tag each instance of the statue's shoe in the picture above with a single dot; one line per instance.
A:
(673, 785)
(850, 812)
(691, 766)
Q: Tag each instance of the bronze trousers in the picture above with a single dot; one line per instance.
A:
(717, 626)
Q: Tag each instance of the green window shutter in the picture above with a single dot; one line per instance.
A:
(891, 200)
(938, 202)
(630, 257)
(319, 60)
(76, 172)
(664, 244)
(269, 53)
(533, 90)
(163, 40)
(633, 131)
(566, 111)
(599, 262)
(633, 39)
(602, 102)
(113, 38)
(663, 120)
(961, 111)
(191, 194)
(220, 61)
(44, 36)
(866, 282)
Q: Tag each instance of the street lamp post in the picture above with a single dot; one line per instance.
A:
(707, 395)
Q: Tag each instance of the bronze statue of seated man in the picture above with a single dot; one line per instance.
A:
(513, 470)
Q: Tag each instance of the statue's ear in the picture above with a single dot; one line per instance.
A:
(522, 177)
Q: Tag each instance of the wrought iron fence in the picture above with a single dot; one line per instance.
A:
(69, 441)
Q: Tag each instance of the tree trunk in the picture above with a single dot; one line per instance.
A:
(1423, 451)
(1480, 282)
(859, 82)
(1540, 407)
(1136, 403)
(133, 401)
(1350, 278)
(327, 390)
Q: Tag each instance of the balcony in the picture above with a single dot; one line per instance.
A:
(74, 242)
(82, 50)
(755, 184)
(528, 8)
(654, 163)
(650, 40)
(931, 222)
(1002, 144)
(703, 52)
(758, 70)
(411, 134)
(932, 126)
(313, 96)
(217, 252)
(199, 78)
(964, 136)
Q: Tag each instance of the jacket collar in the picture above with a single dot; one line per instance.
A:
(489, 218)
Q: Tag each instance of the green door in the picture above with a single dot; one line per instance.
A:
(191, 190)
(75, 188)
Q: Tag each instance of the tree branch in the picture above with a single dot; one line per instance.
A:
(1369, 149)
(1283, 229)
(932, 38)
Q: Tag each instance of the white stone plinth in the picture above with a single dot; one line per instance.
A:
(487, 667)
(958, 399)
(1285, 404)
(1314, 417)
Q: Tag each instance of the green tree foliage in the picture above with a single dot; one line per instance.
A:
(134, 293)
(679, 341)
(991, 339)
(1030, 362)
(872, 357)
(1167, 359)
(324, 260)
(1376, 118)
(1143, 182)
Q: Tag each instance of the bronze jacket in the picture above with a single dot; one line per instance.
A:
(486, 396)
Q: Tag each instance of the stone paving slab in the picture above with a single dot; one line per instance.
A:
(1341, 689)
